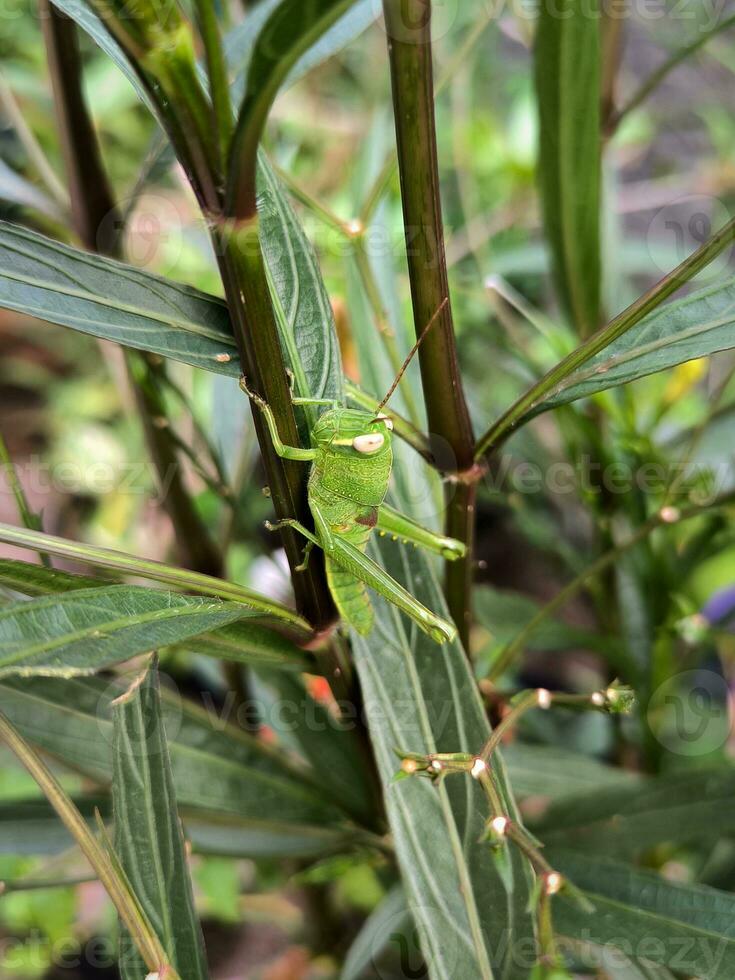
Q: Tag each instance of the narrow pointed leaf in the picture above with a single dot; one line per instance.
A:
(696, 326)
(35, 580)
(686, 927)
(567, 60)
(422, 698)
(547, 770)
(148, 836)
(380, 928)
(327, 743)
(17, 190)
(33, 826)
(84, 631)
(149, 569)
(217, 767)
(82, 13)
(291, 28)
(245, 641)
(112, 300)
(240, 41)
(626, 821)
(304, 313)
(115, 883)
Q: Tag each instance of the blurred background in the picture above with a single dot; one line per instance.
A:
(68, 420)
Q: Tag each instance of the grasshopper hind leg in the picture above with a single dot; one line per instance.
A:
(357, 565)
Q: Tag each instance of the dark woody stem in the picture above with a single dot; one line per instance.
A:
(408, 24)
(246, 287)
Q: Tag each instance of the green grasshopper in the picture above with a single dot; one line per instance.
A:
(351, 456)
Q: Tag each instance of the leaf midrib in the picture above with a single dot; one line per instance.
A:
(128, 622)
(185, 326)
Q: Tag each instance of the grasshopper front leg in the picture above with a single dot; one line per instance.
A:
(399, 527)
(366, 570)
(282, 450)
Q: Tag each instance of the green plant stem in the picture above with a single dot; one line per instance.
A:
(645, 304)
(108, 872)
(385, 331)
(672, 62)
(9, 887)
(516, 645)
(30, 144)
(245, 280)
(387, 172)
(448, 417)
(612, 25)
(30, 519)
(514, 831)
(219, 88)
(157, 571)
(246, 286)
(525, 703)
(98, 222)
(316, 207)
(172, 85)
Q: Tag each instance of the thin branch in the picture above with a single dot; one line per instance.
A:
(30, 519)
(31, 145)
(672, 62)
(387, 172)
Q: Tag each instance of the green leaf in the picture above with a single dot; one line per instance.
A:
(422, 698)
(248, 837)
(147, 568)
(34, 580)
(390, 917)
(700, 324)
(241, 642)
(567, 62)
(304, 313)
(103, 863)
(504, 614)
(687, 928)
(291, 28)
(625, 822)
(240, 41)
(33, 826)
(17, 190)
(218, 768)
(84, 631)
(81, 12)
(114, 301)
(545, 770)
(616, 965)
(328, 744)
(148, 837)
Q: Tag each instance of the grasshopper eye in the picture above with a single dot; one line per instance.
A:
(369, 443)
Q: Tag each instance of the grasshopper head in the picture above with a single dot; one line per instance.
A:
(351, 432)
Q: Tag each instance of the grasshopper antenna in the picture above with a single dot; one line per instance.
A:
(411, 355)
